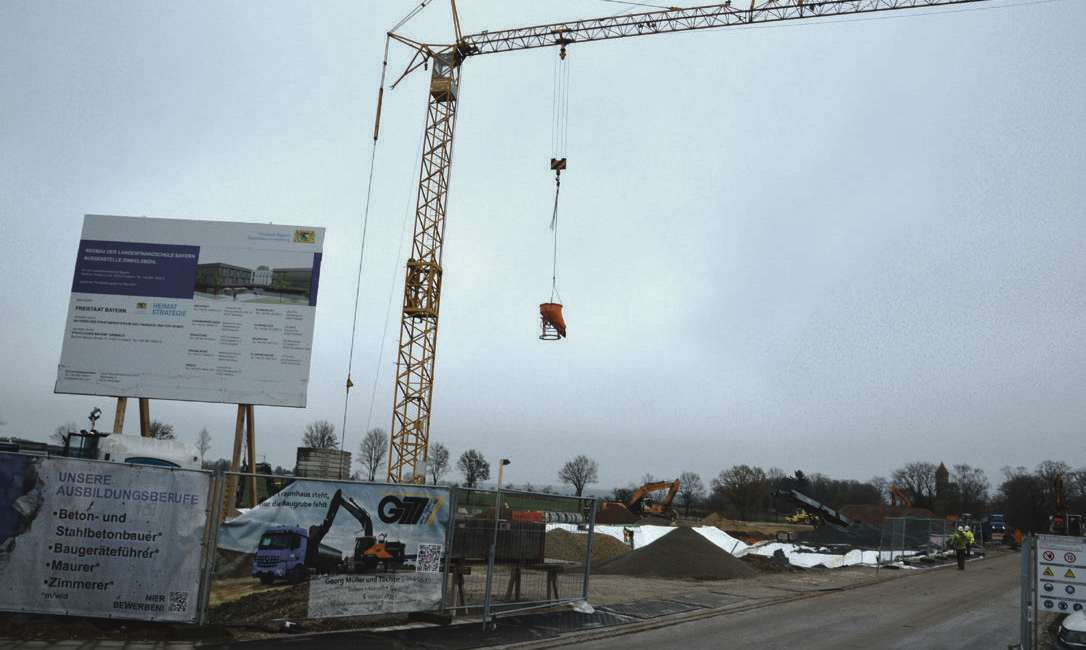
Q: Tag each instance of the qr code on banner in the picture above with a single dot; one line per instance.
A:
(179, 601)
(429, 560)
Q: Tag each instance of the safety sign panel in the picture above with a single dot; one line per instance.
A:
(1061, 573)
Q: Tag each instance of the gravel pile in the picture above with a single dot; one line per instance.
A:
(564, 545)
(681, 553)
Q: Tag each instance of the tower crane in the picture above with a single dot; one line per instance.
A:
(422, 286)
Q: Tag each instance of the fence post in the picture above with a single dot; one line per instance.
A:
(213, 521)
(1025, 636)
(449, 540)
(588, 552)
(490, 558)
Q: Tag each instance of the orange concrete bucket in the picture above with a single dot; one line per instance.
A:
(554, 326)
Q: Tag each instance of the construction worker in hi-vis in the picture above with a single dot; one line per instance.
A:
(961, 541)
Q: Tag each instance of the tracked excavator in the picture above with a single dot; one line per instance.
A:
(640, 505)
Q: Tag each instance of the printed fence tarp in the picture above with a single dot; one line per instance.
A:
(363, 548)
(101, 539)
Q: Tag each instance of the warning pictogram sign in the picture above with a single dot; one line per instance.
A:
(1060, 571)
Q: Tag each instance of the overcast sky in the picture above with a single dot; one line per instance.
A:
(836, 246)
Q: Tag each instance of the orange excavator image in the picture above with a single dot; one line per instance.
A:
(640, 505)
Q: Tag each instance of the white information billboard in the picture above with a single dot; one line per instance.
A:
(206, 311)
(102, 539)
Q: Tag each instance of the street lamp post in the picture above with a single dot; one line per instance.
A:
(487, 623)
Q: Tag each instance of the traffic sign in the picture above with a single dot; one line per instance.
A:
(1061, 574)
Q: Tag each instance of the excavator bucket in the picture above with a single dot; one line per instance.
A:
(554, 326)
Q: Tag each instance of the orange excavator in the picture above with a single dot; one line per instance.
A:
(640, 505)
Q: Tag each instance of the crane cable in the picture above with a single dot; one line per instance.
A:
(366, 216)
(559, 142)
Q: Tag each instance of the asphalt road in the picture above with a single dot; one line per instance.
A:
(938, 608)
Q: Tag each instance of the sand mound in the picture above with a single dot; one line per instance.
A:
(564, 545)
(681, 553)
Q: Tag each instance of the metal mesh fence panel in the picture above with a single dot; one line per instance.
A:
(531, 568)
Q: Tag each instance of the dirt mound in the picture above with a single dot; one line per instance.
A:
(681, 553)
(564, 545)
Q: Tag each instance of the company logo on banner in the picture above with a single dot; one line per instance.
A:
(207, 311)
(348, 549)
(100, 539)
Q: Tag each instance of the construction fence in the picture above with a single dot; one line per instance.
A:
(159, 543)
(904, 537)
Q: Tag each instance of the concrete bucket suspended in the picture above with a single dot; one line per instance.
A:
(554, 326)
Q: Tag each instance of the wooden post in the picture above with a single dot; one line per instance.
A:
(230, 492)
(145, 417)
(250, 433)
(118, 415)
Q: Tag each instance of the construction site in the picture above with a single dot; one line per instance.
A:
(841, 237)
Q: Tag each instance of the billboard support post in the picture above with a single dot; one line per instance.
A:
(250, 434)
(244, 429)
(145, 417)
(118, 414)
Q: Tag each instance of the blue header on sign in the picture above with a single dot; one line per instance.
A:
(135, 269)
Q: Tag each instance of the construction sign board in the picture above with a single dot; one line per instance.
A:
(346, 548)
(205, 311)
(1061, 573)
(91, 538)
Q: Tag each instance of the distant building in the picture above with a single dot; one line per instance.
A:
(217, 275)
(294, 280)
(262, 276)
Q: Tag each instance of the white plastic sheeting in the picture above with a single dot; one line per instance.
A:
(812, 556)
(798, 555)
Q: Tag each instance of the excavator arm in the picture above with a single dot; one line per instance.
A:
(317, 533)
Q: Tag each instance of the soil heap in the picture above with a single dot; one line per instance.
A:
(564, 545)
(681, 553)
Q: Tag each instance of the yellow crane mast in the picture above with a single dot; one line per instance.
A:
(408, 451)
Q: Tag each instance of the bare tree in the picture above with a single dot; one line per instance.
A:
(918, 480)
(372, 451)
(579, 472)
(438, 462)
(320, 434)
(474, 467)
(161, 430)
(972, 487)
(691, 489)
(203, 443)
(744, 488)
(58, 434)
(881, 484)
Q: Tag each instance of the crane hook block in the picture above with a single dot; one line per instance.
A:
(558, 164)
(554, 325)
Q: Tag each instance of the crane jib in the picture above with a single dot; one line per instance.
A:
(409, 440)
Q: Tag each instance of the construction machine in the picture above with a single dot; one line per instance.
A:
(292, 552)
(425, 271)
(640, 504)
(817, 511)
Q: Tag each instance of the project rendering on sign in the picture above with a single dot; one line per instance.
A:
(206, 311)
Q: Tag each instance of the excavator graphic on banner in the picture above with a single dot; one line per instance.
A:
(292, 552)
